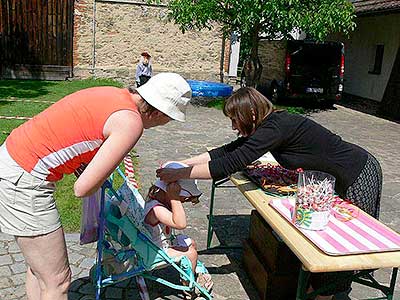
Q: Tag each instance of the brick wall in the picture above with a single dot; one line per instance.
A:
(82, 15)
(227, 54)
(272, 56)
(123, 31)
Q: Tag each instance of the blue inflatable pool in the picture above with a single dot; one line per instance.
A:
(209, 88)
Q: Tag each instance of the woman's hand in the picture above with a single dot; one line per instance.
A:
(171, 175)
(200, 171)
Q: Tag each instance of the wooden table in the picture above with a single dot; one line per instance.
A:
(311, 257)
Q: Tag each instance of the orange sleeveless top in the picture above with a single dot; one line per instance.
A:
(68, 133)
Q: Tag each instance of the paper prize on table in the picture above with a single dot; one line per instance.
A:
(267, 158)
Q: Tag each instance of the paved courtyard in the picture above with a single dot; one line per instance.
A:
(207, 127)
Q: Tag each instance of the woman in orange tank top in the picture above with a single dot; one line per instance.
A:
(94, 128)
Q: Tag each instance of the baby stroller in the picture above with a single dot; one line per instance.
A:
(124, 247)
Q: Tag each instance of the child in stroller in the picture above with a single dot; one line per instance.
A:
(164, 212)
(133, 248)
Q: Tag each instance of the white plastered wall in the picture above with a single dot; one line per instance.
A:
(360, 54)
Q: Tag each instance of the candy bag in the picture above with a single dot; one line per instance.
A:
(90, 218)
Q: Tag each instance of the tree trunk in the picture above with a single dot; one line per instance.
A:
(252, 66)
(390, 105)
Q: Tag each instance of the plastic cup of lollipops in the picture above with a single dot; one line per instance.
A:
(313, 200)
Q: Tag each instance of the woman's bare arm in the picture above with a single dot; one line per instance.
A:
(199, 159)
(200, 171)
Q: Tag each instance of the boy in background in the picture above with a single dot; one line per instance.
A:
(144, 70)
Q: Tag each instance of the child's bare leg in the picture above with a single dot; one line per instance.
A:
(190, 252)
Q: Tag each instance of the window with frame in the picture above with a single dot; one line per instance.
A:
(377, 59)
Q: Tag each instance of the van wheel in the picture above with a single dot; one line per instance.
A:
(328, 103)
(274, 93)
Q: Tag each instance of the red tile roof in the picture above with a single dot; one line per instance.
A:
(376, 6)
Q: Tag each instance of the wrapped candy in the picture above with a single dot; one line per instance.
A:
(274, 178)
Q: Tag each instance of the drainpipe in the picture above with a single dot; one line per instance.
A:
(94, 40)
(221, 63)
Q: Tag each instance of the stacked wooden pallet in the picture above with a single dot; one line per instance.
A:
(270, 264)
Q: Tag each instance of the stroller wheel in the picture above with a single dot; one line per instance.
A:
(88, 297)
(92, 274)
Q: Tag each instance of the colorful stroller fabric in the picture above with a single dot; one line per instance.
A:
(125, 249)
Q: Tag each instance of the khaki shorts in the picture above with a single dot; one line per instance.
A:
(27, 206)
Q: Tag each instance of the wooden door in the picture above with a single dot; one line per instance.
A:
(36, 39)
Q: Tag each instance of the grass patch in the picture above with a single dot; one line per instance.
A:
(48, 90)
(37, 90)
(292, 109)
(68, 205)
(218, 103)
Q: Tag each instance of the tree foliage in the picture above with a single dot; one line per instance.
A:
(269, 19)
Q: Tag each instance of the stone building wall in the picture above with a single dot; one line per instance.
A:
(272, 55)
(124, 30)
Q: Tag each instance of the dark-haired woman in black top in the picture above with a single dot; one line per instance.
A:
(295, 142)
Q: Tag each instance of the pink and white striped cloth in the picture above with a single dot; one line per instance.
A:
(362, 234)
(130, 170)
(130, 174)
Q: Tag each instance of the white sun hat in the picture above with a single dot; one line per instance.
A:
(167, 92)
(188, 186)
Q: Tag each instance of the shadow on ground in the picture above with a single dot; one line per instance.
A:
(25, 89)
(83, 288)
(230, 230)
(310, 106)
(229, 233)
(306, 107)
(366, 106)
